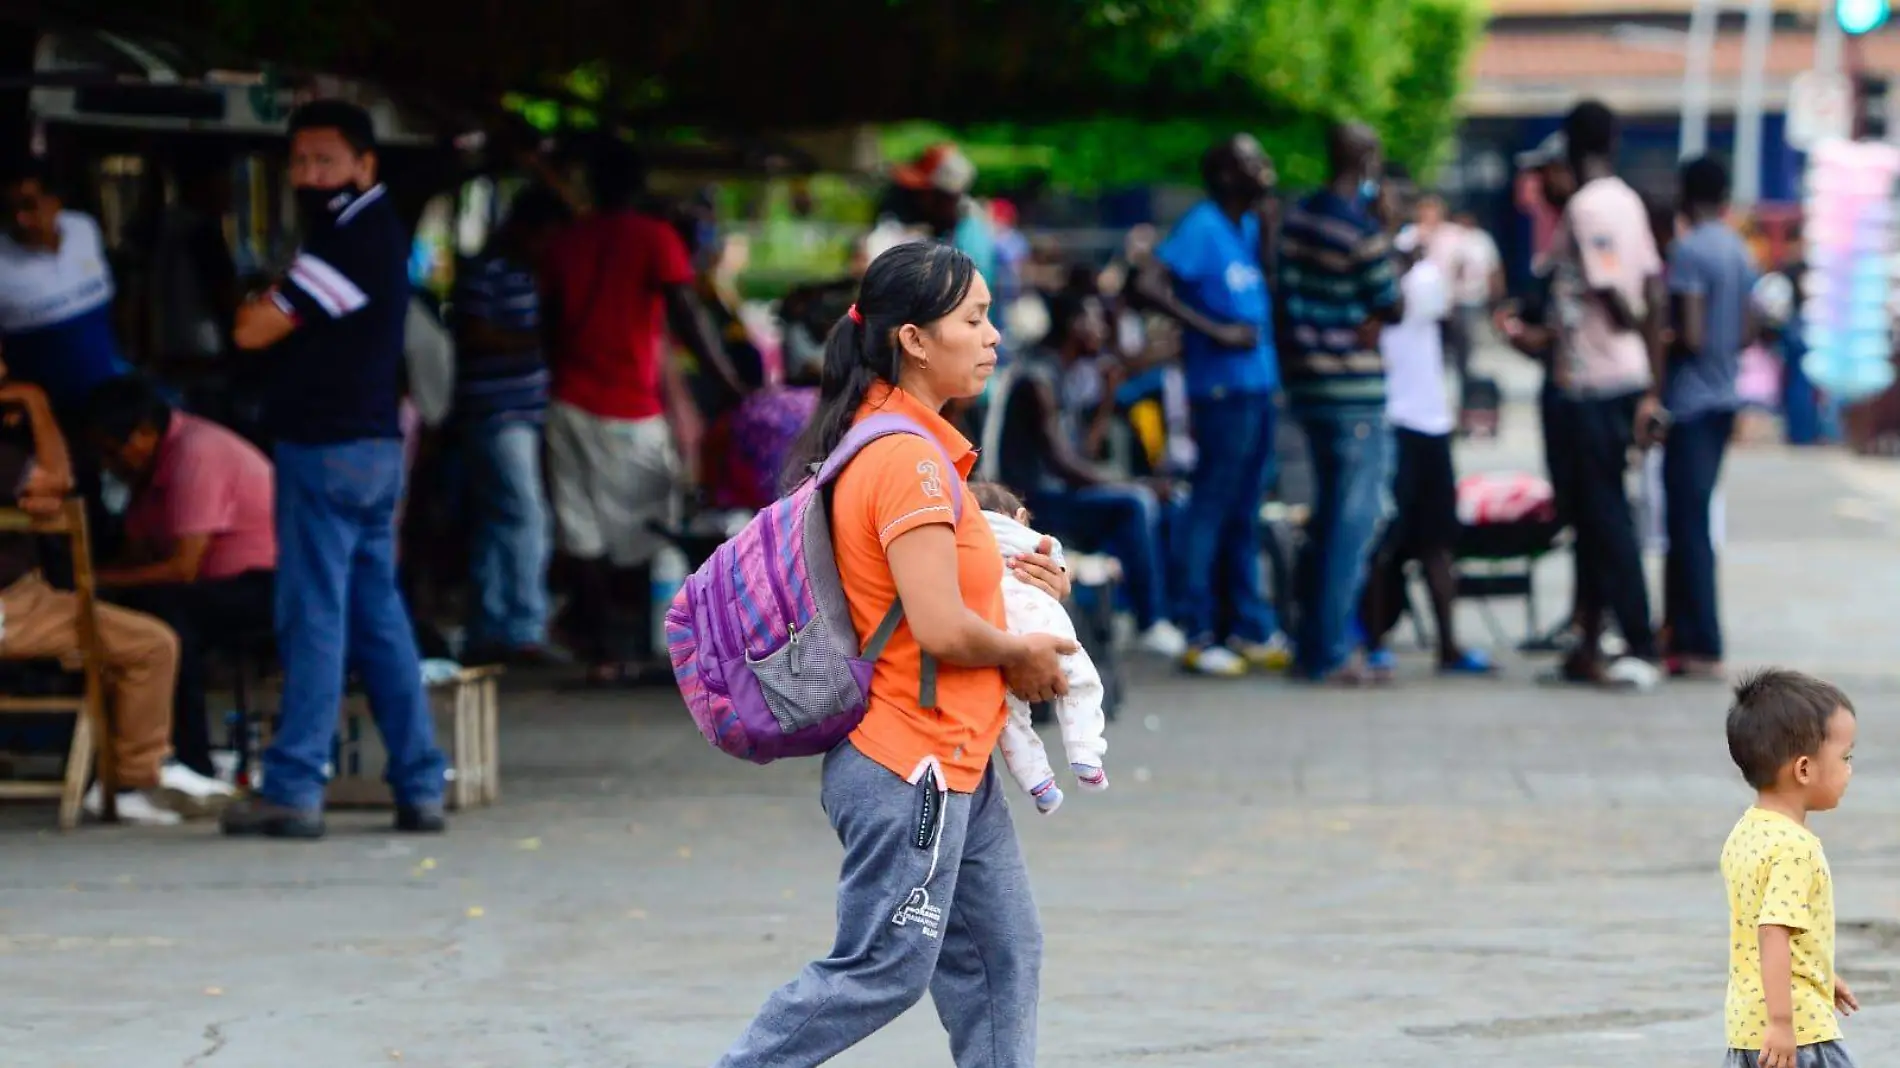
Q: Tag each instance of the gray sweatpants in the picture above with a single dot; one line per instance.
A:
(954, 918)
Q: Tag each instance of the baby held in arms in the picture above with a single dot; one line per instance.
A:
(1032, 611)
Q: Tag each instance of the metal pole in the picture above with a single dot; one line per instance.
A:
(1703, 22)
(1827, 39)
(1748, 107)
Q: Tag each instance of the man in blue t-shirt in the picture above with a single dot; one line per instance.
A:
(1208, 275)
(1711, 275)
(335, 327)
(55, 293)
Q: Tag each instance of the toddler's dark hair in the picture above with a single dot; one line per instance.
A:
(1779, 715)
(995, 497)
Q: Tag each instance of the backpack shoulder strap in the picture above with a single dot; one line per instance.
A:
(926, 664)
(884, 425)
(865, 432)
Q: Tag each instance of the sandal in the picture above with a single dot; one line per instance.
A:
(1573, 672)
(1696, 669)
(1468, 662)
(1559, 639)
(1625, 675)
(1347, 677)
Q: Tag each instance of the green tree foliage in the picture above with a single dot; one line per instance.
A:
(1097, 89)
(1093, 155)
(1435, 46)
(1287, 68)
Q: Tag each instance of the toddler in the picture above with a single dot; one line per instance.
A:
(1793, 738)
(1032, 611)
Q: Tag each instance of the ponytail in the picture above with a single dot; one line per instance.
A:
(846, 379)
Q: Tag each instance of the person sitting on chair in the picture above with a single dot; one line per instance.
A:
(38, 622)
(203, 554)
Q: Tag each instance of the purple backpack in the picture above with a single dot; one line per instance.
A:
(761, 638)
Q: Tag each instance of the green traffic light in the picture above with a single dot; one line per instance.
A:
(1861, 16)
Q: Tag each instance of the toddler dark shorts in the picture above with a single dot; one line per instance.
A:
(1815, 1055)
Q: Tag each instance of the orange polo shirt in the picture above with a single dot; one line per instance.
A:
(894, 486)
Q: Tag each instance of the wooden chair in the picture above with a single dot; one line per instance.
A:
(88, 707)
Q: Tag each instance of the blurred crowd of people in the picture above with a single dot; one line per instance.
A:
(1643, 314)
(596, 395)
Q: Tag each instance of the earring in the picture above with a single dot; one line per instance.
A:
(923, 363)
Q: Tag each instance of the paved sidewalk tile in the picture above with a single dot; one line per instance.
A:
(1486, 874)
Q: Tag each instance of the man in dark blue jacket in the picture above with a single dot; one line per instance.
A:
(334, 326)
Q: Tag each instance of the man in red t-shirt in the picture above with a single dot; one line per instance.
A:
(612, 286)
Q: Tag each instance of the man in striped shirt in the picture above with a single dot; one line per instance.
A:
(501, 400)
(1337, 288)
(335, 327)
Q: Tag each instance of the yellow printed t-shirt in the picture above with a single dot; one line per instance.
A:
(1777, 875)
(895, 485)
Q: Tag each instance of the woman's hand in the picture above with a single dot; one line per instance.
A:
(1035, 674)
(1039, 570)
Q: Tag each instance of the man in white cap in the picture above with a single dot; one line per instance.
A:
(939, 182)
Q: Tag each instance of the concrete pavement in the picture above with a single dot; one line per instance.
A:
(1473, 873)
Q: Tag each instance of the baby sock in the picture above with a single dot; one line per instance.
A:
(1090, 776)
(1048, 796)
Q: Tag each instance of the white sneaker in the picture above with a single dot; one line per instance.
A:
(1635, 673)
(176, 776)
(1274, 654)
(1214, 660)
(185, 791)
(134, 807)
(1164, 639)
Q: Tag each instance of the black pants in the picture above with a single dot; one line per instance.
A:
(1455, 332)
(1556, 409)
(1596, 434)
(206, 615)
(1692, 462)
(1424, 527)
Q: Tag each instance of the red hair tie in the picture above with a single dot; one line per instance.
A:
(855, 315)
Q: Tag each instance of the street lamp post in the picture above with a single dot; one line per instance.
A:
(1748, 105)
(1698, 56)
(1827, 39)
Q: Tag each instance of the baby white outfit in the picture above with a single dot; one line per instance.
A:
(1032, 611)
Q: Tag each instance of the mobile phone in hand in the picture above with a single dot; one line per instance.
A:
(1656, 425)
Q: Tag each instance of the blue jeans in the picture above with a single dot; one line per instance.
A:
(1691, 464)
(337, 607)
(510, 550)
(1123, 521)
(1348, 454)
(1220, 530)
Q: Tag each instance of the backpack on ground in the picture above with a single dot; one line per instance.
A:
(761, 638)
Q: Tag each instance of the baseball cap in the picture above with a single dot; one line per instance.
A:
(942, 167)
(1551, 149)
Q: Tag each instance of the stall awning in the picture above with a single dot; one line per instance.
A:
(100, 77)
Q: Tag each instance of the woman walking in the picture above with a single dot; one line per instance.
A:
(933, 895)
